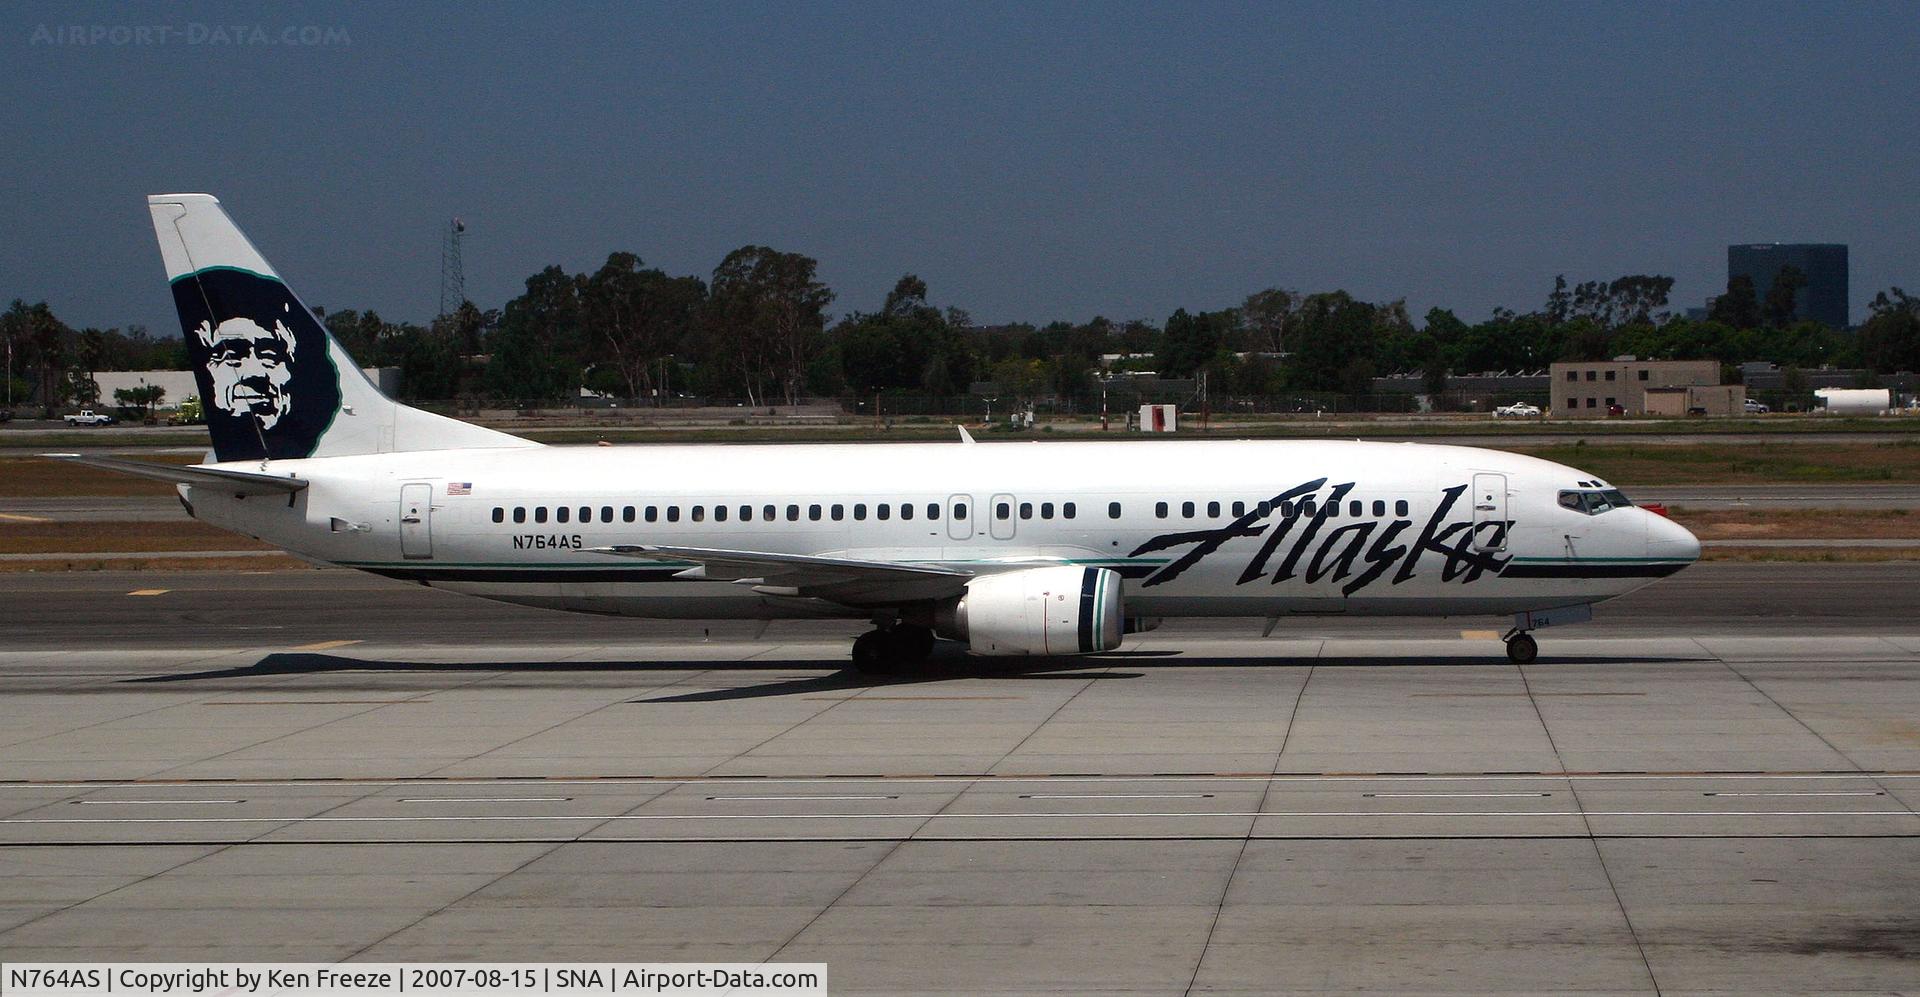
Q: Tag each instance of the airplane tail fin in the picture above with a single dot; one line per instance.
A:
(273, 381)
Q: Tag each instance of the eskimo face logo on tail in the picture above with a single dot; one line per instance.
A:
(261, 362)
(251, 367)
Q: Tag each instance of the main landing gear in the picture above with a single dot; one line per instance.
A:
(886, 651)
(1521, 647)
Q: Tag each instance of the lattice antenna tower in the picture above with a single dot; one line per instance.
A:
(453, 278)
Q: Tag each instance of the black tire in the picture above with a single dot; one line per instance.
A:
(873, 653)
(1522, 649)
(910, 645)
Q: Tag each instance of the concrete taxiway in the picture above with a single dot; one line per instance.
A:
(1713, 787)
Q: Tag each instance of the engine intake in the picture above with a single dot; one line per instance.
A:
(1056, 610)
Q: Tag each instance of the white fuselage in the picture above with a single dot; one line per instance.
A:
(1223, 528)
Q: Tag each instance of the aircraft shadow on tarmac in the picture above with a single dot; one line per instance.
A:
(947, 664)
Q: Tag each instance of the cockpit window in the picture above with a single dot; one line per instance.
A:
(1593, 503)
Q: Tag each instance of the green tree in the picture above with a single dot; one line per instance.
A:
(145, 397)
(1267, 317)
(1739, 307)
(1779, 306)
(1889, 340)
(637, 318)
(536, 348)
(767, 314)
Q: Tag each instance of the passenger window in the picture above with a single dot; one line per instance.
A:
(1066, 510)
(813, 513)
(1026, 510)
(1306, 507)
(839, 512)
(1113, 510)
(746, 514)
(586, 514)
(673, 514)
(699, 513)
(959, 510)
(1239, 509)
(606, 514)
(933, 511)
(768, 513)
(906, 511)
(859, 512)
(1400, 507)
(1354, 508)
(1379, 509)
(1002, 511)
(1286, 509)
(540, 514)
(1160, 510)
(793, 514)
(883, 510)
(560, 515)
(1186, 509)
(653, 514)
(1046, 510)
(719, 513)
(499, 514)
(626, 514)
(1213, 510)
(1265, 508)
(519, 514)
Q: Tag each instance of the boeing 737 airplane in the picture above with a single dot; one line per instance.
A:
(1014, 548)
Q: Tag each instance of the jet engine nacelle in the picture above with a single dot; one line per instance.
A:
(1057, 610)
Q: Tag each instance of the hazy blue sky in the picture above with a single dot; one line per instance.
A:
(1029, 161)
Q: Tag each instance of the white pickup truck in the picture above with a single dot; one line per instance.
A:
(88, 417)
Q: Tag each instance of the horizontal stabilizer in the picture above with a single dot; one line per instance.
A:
(225, 479)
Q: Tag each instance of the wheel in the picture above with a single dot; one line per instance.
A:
(910, 644)
(873, 653)
(1522, 649)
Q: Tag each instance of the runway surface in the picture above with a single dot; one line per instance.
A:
(1712, 788)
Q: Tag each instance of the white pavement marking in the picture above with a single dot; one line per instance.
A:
(1876, 793)
(1454, 796)
(762, 798)
(1116, 796)
(487, 799)
(170, 803)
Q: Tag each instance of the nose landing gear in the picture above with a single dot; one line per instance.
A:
(1521, 647)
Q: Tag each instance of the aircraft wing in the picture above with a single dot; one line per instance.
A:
(844, 580)
(225, 479)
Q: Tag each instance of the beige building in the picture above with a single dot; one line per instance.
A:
(1643, 387)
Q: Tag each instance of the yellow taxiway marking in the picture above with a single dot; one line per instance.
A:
(149, 591)
(325, 645)
(1479, 635)
(13, 517)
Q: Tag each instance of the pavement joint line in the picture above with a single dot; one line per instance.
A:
(928, 817)
(1586, 824)
(1294, 777)
(228, 843)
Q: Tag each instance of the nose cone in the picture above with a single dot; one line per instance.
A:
(1669, 540)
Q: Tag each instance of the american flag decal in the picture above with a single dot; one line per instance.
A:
(459, 488)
